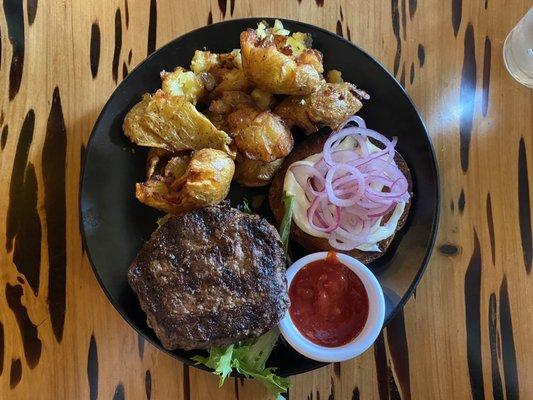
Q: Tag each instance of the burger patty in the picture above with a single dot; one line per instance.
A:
(211, 277)
(312, 145)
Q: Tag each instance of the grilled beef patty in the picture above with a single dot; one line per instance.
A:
(211, 277)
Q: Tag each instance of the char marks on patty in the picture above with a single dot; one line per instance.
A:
(211, 277)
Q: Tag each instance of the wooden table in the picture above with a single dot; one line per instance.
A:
(466, 333)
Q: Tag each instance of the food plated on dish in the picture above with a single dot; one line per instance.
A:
(248, 171)
(213, 277)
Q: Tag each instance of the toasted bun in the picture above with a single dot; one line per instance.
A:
(313, 145)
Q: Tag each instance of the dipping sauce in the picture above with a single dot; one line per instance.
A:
(329, 303)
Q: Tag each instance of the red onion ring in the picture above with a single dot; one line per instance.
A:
(341, 185)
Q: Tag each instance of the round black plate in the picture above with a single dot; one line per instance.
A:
(115, 224)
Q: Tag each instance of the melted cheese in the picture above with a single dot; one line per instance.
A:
(378, 232)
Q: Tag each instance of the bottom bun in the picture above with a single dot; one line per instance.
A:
(313, 145)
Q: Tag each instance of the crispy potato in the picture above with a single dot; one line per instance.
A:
(293, 110)
(203, 61)
(156, 160)
(232, 59)
(330, 105)
(254, 173)
(176, 166)
(333, 103)
(183, 83)
(221, 107)
(176, 122)
(334, 76)
(229, 102)
(156, 193)
(138, 132)
(218, 120)
(263, 100)
(270, 63)
(205, 181)
(261, 136)
(227, 79)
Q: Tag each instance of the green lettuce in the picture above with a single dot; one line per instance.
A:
(285, 226)
(245, 205)
(248, 358)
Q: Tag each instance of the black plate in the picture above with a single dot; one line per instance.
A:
(114, 224)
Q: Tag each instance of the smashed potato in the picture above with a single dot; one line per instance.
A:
(204, 182)
(261, 136)
(280, 64)
(138, 132)
(175, 122)
(253, 173)
(156, 160)
(229, 102)
(232, 59)
(229, 80)
(334, 76)
(330, 105)
(218, 120)
(263, 100)
(203, 61)
(183, 83)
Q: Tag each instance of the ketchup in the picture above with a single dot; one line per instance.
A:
(329, 303)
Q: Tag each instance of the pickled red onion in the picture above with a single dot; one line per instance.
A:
(350, 190)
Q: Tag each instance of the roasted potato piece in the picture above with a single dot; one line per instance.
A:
(176, 166)
(229, 80)
(271, 64)
(203, 61)
(263, 100)
(156, 193)
(333, 103)
(334, 76)
(183, 83)
(330, 105)
(254, 173)
(156, 160)
(232, 59)
(218, 120)
(221, 107)
(229, 102)
(138, 132)
(261, 136)
(205, 181)
(293, 110)
(177, 123)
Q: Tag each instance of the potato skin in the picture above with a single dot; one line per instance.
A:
(275, 72)
(232, 79)
(208, 179)
(261, 136)
(183, 83)
(172, 123)
(330, 105)
(205, 182)
(253, 173)
(138, 132)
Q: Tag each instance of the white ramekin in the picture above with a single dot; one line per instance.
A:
(366, 337)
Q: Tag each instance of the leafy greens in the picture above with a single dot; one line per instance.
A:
(248, 358)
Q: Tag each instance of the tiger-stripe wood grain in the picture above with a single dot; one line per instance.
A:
(467, 332)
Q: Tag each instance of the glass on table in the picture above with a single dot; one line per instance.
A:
(518, 50)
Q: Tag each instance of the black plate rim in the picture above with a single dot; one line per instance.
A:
(310, 27)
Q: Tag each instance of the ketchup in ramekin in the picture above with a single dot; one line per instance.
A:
(329, 302)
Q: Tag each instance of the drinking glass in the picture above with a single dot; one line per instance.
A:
(518, 50)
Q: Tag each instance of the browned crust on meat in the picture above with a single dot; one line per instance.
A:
(312, 145)
(211, 277)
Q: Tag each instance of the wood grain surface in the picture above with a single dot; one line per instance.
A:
(465, 334)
